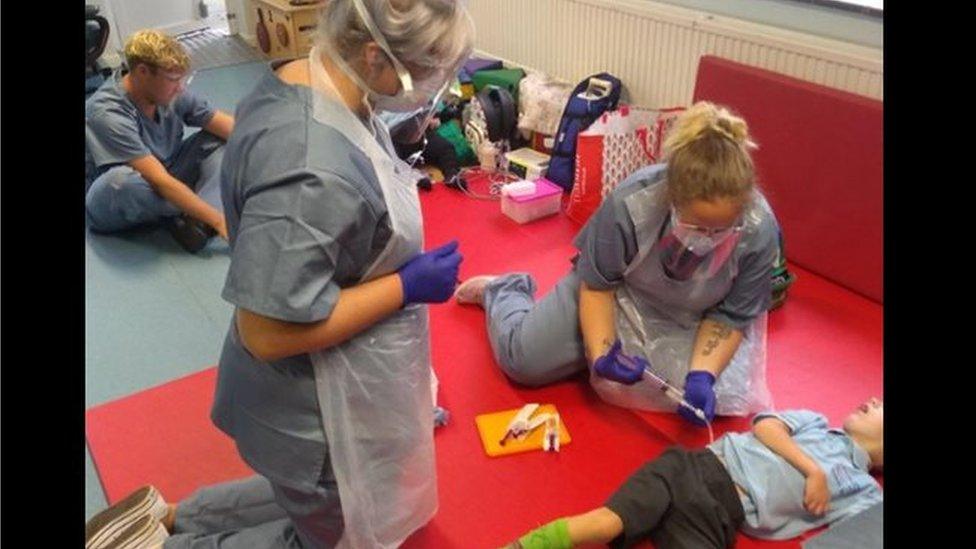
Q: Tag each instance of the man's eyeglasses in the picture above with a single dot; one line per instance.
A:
(176, 78)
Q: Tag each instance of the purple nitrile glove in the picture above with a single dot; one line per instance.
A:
(699, 392)
(431, 276)
(610, 366)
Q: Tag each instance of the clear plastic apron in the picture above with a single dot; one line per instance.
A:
(658, 317)
(375, 389)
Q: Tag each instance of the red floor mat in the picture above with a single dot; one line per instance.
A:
(824, 353)
(161, 436)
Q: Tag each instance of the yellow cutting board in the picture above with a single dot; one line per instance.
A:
(492, 428)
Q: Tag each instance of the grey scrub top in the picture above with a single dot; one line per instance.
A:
(305, 218)
(608, 243)
(117, 132)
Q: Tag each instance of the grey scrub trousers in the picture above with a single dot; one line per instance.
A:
(535, 343)
(250, 512)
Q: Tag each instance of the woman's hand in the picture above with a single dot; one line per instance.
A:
(431, 276)
(700, 393)
(615, 366)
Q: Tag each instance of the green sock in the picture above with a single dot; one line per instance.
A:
(554, 535)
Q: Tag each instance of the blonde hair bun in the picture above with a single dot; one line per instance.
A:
(704, 118)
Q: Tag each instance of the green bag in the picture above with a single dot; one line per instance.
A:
(782, 278)
(503, 78)
(451, 130)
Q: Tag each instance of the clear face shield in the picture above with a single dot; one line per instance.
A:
(416, 95)
(691, 251)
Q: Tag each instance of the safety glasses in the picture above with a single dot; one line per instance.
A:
(716, 234)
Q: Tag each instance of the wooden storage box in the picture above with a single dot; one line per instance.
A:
(283, 30)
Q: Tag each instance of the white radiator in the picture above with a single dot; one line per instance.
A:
(654, 48)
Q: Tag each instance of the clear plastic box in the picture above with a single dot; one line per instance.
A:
(547, 200)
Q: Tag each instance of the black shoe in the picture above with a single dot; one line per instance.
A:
(190, 233)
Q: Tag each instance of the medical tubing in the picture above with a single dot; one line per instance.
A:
(497, 180)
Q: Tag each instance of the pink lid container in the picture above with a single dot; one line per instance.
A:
(543, 188)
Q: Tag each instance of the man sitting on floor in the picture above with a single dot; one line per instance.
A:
(139, 169)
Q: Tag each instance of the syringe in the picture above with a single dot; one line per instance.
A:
(670, 390)
(674, 394)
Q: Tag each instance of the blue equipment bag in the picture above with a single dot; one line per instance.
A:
(591, 98)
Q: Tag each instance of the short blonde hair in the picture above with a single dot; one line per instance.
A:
(422, 34)
(156, 49)
(707, 151)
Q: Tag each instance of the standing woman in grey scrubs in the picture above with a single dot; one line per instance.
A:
(673, 273)
(324, 379)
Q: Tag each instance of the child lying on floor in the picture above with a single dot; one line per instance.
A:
(792, 473)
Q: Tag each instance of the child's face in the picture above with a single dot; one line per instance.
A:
(867, 420)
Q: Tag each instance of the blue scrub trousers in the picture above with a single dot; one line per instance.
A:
(120, 198)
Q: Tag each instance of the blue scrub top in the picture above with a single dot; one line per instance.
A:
(117, 132)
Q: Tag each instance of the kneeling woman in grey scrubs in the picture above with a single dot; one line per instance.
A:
(324, 379)
(673, 274)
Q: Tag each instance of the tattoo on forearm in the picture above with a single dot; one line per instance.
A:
(719, 332)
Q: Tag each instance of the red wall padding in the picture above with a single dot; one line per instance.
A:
(820, 163)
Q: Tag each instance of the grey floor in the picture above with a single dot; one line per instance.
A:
(153, 312)
(211, 48)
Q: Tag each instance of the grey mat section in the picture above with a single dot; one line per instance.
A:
(209, 48)
(864, 530)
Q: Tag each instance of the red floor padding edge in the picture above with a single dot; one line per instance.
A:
(824, 353)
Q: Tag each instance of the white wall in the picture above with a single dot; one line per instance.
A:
(242, 9)
(829, 22)
(246, 18)
(173, 16)
(128, 16)
(655, 47)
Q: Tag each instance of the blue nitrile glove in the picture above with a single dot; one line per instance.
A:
(431, 276)
(699, 392)
(609, 366)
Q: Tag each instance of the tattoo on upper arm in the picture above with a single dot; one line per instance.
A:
(718, 332)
